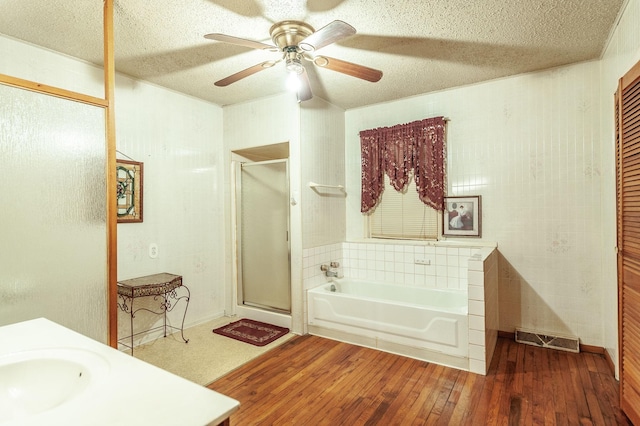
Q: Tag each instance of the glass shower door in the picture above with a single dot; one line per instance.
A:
(264, 272)
(53, 225)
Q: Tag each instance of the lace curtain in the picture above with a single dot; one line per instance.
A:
(399, 150)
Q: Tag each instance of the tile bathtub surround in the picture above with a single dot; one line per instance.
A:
(437, 266)
(483, 309)
(315, 257)
(313, 276)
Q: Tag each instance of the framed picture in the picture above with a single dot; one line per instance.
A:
(462, 216)
(129, 176)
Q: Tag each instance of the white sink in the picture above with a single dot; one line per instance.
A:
(36, 381)
(53, 376)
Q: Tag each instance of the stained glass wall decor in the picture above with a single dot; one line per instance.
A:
(129, 187)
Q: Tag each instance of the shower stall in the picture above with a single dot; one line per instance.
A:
(263, 244)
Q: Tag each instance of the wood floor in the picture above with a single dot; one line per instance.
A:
(314, 381)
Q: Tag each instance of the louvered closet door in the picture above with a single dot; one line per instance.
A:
(628, 200)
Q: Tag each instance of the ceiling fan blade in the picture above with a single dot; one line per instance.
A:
(241, 42)
(322, 5)
(304, 92)
(244, 8)
(354, 70)
(245, 73)
(330, 33)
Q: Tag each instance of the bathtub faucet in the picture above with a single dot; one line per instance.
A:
(328, 269)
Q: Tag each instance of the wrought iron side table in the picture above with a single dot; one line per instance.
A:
(164, 288)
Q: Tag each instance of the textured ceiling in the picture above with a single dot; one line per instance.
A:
(420, 46)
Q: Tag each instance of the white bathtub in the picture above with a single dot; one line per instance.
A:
(425, 323)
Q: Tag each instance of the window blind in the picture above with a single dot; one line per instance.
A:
(402, 215)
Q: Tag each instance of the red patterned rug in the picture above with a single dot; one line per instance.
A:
(250, 331)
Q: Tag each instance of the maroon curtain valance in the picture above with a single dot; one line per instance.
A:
(398, 150)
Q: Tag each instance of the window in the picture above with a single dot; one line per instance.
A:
(402, 215)
(410, 157)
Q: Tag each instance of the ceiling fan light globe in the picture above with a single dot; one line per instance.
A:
(294, 66)
(293, 82)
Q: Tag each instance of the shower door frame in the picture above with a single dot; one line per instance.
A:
(238, 237)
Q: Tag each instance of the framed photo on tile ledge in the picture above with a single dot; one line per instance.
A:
(462, 216)
(129, 177)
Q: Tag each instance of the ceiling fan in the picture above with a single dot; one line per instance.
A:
(298, 41)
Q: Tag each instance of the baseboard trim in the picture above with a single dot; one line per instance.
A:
(592, 349)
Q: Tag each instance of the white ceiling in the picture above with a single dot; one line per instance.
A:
(420, 46)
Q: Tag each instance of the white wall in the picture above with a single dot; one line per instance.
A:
(321, 149)
(530, 145)
(179, 140)
(37, 64)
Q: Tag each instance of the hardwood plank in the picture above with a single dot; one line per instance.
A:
(330, 399)
(448, 380)
(387, 383)
(526, 369)
(511, 404)
(420, 401)
(571, 411)
(478, 407)
(314, 381)
(371, 384)
(548, 400)
(595, 413)
(470, 394)
(499, 386)
(538, 356)
(446, 415)
(559, 401)
(319, 388)
(591, 363)
(412, 384)
(431, 394)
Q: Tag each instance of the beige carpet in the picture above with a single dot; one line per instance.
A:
(206, 357)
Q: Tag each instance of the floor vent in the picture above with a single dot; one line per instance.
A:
(563, 343)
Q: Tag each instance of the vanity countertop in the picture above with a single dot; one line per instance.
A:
(128, 391)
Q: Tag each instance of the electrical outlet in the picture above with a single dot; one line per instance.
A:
(423, 262)
(153, 250)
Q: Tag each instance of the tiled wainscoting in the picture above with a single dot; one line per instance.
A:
(438, 265)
